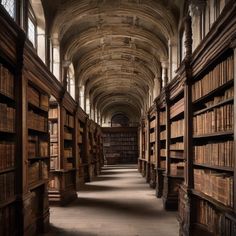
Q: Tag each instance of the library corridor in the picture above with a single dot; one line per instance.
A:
(118, 202)
(118, 117)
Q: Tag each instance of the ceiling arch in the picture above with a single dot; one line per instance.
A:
(117, 48)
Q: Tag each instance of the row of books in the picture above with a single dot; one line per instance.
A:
(37, 171)
(177, 108)
(162, 118)
(177, 146)
(177, 169)
(176, 154)
(120, 139)
(53, 149)
(7, 155)
(207, 216)
(54, 163)
(37, 147)
(7, 118)
(177, 128)
(7, 186)
(37, 122)
(228, 94)
(221, 74)
(152, 137)
(163, 135)
(163, 152)
(124, 148)
(163, 164)
(53, 128)
(68, 152)
(153, 124)
(217, 120)
(53, 113)
(38, 99)
(130, 136)
(68, 120)
(214, 184)
(80, 139)
(67, 135)
(119, 143)
(54, 183)
(68, 165)
(216, 154)
(6, 82)
(8, 219)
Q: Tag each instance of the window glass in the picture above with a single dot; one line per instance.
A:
(10, 6)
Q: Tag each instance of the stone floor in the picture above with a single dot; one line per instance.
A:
(117, 203)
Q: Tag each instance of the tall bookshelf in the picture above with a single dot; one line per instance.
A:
(120, 145)
(213, 143)
(83, 171)
(38, 155)
(162, 139)
(153, 145)
(207, 197)
(8, 142)
(142, 136)
(174, 174)
(62, 184)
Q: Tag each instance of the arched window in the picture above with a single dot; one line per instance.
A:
(71, 81)
(36, 27)
(32, 26)
(10, 6)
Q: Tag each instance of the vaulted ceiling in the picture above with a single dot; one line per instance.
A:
(116, 47)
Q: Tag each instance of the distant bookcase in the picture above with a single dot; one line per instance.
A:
(8, 167)
(120, 145)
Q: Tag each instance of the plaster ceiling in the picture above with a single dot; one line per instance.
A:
(116, 46)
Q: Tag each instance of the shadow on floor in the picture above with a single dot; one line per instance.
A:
(55, 231)
(128, 208)
(117, 167)
(97, 188)
(113, 172)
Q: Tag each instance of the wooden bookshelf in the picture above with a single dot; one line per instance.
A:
(83, 168)
(120, 145)
(174, 173)
(8, 163)
(207, 196)
(152, 161)
(38, 150)
(161, 142)
(62, 185)
(143, 147)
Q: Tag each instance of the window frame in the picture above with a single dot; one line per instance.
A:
(33, 19)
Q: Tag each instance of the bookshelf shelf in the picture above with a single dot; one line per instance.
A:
(7, 170)
(37, 184)
(216, 134)
(220, 168)
(8, 202)
(38, 158)
(218, 205)
(230, 100)
(6, 98)
(214, 92)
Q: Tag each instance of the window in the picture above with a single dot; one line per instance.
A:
(10, 6)
(32, 26)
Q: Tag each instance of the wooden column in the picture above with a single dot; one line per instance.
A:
(148, 149)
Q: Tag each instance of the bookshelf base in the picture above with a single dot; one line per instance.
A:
(153, 177)
(184, 211)
(171, 192)
(159, 182)
(142, 164)
(64, 190)
(148, 172)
